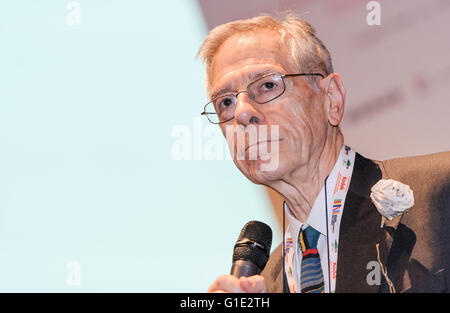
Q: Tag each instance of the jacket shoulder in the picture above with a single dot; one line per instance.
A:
(432, 168)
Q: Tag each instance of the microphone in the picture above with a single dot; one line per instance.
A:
(252, 249)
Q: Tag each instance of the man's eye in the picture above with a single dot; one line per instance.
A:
(226, 102)
(269, 85)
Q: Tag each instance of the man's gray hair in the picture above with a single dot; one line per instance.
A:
(307, 51)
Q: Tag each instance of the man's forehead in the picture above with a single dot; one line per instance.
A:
(249, 54)
(241, 47)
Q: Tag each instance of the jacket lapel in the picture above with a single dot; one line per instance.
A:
(360, 232)
(402, 241)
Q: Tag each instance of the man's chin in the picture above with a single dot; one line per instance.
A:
(260, 171)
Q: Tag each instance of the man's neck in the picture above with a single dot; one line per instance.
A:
(301, 188)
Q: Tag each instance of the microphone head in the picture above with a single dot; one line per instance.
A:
(254, 244)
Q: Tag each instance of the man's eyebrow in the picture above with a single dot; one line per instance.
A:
(256, 75)
(252, 76)
(221, 92)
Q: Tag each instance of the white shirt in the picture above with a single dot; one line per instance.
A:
(318, 220)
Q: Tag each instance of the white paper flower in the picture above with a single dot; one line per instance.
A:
(391, 197)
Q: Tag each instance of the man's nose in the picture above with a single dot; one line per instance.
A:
(247, 111)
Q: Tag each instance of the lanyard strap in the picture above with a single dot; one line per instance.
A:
(334, 206)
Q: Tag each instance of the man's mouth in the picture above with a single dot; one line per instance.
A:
(261, 142)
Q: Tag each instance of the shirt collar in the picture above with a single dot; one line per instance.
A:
(317, 216)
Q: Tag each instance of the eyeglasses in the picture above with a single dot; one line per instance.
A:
(265, 89)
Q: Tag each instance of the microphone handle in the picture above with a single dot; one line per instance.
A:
(244, 268)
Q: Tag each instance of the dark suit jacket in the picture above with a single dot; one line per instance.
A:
(416, 253)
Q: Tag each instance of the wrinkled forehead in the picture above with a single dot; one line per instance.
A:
(241, 53)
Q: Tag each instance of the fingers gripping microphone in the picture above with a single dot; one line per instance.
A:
(252, 249)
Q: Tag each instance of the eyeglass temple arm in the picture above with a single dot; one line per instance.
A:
(304, 74)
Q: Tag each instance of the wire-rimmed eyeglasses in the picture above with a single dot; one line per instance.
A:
(221, 109)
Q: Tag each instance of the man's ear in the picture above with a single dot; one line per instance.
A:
(334, 91)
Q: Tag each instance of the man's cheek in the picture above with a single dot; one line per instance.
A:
(237, 142)
(231, 142)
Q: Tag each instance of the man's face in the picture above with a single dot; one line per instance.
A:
(298, 112)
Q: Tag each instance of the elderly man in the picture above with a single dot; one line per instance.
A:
(347, 231)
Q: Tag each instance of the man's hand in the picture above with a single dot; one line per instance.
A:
(229, 283)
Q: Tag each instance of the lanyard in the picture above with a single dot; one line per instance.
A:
(334, 205)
